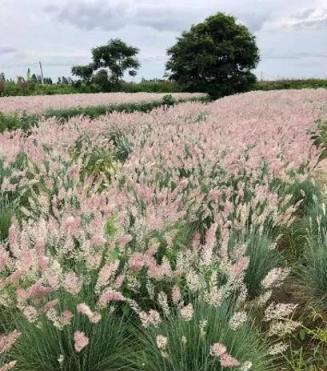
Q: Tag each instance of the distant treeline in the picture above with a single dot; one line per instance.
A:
(291, 84)
(68, 86)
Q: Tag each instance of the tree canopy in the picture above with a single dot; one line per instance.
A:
(215, 56)
(109, 63)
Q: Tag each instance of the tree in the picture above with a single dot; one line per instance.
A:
(64, 80)
(215, 56)
(84, 72)
(116, 58)
(2, 83)
(28, 75)
(34, 78)
(48, 80)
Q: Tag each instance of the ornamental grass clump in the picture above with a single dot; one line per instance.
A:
(312, 273)
(84, 340)
(204, 338)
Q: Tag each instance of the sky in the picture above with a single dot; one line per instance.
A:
(291, 34)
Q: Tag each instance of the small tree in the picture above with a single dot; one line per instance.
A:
(48, 80)
(34, 79)
(64, 80)
(28, 75)
(2, 83)
(116, 58)
(215, 56)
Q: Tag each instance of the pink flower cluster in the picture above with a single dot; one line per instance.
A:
(226, 360)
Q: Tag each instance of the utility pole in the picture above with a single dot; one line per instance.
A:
(42, 77)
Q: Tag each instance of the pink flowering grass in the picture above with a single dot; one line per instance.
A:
(163, 219)
(41, 104)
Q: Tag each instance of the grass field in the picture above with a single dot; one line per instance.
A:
(190, 237)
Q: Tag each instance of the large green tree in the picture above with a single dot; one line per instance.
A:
(109, 62)
(215, 56)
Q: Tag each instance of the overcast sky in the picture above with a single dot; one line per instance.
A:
(291, 34)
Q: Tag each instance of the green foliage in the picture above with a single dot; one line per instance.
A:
(101, 80)
(84, 72)
(151, 86)
(294, 238)
(215, 56)
(10, 200)
(67, 86)
(308, 346)
(122, 146)
(245, 344)
(118, 57)
(312, 232)
(169, 100)
(290, 84)
(262, 260)
(308, 193)
(17, 121)
(313, 273)
(7, 211)
(320, 137)
(100, 162)
(11, 88)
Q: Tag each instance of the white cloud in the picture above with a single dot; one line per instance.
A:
(308, 19)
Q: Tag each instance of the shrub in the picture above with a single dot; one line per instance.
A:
(168, 100)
